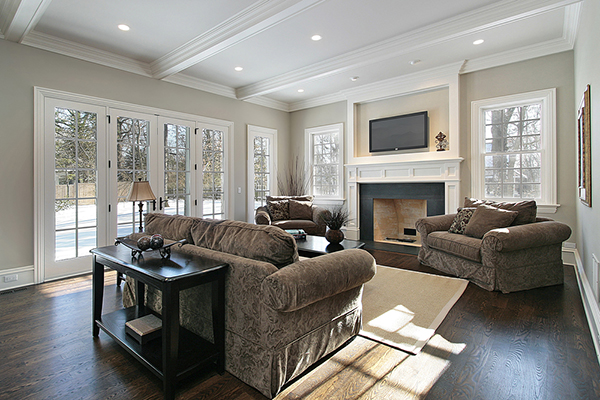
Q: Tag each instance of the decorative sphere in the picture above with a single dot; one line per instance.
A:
(156, 242)
(144, 243)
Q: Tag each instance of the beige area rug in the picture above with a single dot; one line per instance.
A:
(403, 308)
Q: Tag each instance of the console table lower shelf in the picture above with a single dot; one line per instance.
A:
(194, 353)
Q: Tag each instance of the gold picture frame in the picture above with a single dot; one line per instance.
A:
(584, 150)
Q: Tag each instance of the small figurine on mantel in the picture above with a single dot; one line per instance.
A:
(442, 143)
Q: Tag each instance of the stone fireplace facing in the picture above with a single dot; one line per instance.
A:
(388, 211)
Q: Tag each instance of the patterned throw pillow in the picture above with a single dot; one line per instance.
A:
(279, 210)
(461, 220)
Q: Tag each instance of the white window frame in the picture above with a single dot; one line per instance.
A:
(309, 141)
(253, 132)
(547, 97)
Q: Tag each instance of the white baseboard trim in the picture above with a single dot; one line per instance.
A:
(591, 308)
(24, 277)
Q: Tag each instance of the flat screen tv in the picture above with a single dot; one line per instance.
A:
(401, 132)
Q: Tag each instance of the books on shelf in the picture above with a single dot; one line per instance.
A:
(298, 234)
(144, 329)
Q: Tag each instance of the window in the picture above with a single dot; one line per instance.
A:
(261, 166)
(513, 148)
(133, 164)
(213, 173)
(76, 137)
(177, 169)
(325, 152)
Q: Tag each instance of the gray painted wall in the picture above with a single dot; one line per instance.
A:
(554, 71)
(22, 68)
(587, 71)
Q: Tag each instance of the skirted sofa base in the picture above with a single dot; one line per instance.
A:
(278, 321)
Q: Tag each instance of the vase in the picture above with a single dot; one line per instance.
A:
(334, 235)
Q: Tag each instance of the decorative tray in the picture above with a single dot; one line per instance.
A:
(165, 250)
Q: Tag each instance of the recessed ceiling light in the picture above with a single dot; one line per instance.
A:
(354, 78)
(415, 62)
(316, 37)
(238, 69)
(123, 27)
(300, 90)
(478, 41)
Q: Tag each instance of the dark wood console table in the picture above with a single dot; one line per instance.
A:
(178, 353)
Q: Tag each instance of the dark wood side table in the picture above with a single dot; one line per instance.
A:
(314, 246)
(178, 353)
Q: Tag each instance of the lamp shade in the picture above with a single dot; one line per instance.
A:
(140, 191)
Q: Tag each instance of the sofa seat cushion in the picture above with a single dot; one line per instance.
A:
(257, 242)
(456, 244)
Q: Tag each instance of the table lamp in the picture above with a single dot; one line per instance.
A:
(141, 191)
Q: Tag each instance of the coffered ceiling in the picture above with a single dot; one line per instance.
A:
(199, 43)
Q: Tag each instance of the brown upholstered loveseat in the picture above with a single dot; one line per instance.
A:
(282, 314)
(292, 212)
(524, 254)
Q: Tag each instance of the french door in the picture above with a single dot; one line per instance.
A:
(73, 186)
(88, 155)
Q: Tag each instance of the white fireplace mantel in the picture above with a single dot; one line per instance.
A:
(424, 171)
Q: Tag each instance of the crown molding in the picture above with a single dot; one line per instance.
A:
(21, 17)
(485, 18)
(270, 103)
(201, 84)
(571, 24)
(257, 18)
(516, 55)
(85, 53)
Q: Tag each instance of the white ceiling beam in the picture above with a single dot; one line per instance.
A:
(19, 17)
(468, 24)
(262, 15)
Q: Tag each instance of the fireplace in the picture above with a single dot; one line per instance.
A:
(388, 211)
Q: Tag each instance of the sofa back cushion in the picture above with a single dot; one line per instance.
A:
(301, 210)
(257, 242)
(280, 208)
(174, 227)
(527, 209)
(485, 218)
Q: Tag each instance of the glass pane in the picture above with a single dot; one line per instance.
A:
(86, 213)
(66, 214)
(65, 123)
(533, 111)
(531, 160)
(64, 156)
(87, 126)
(531, 175)
(86, 185)
(493, 191)
(86, 241)
(65, 246)
(511, 191)
(532, 191)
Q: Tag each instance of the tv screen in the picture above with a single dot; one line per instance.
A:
(410, 131)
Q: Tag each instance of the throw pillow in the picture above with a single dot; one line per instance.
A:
(279, 209)
(527, 209)
(301, 210)
(485, 218)
(461, 220)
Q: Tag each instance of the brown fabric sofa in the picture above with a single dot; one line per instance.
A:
(282, 314)
(508, 259)
(292, 212)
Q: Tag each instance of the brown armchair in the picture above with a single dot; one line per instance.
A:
(292, 212)
(508, 259)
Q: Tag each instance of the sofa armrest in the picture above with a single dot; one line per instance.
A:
(262, 216)
(308, 281)
(518, 237)
(436, 223)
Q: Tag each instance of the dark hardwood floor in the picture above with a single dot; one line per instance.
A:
(527, 345)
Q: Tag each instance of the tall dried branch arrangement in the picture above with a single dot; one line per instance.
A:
(295, 180)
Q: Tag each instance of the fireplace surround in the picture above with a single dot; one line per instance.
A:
(412, 179)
